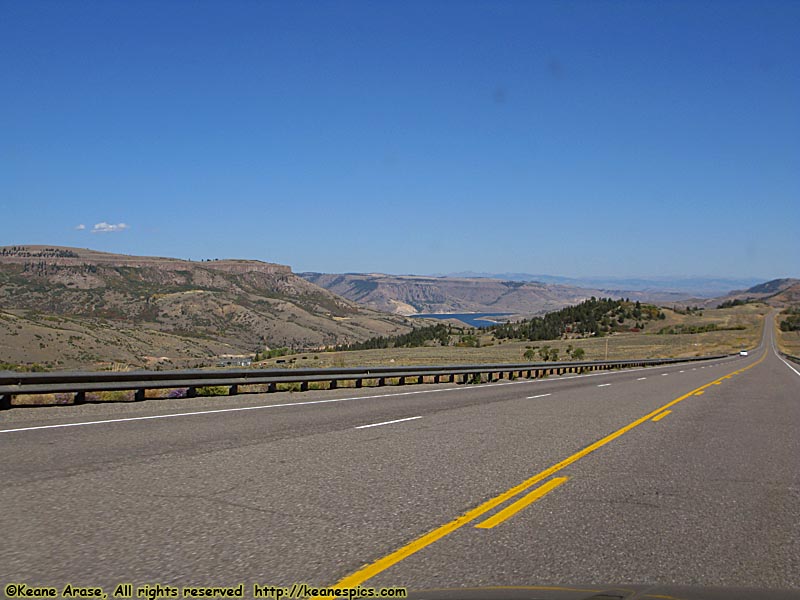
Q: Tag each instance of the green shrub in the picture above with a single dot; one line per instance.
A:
(212, 390)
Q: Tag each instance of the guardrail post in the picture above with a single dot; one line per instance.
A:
(139, 395)
(271, 387)
(421, 379)
(303, 386)
(233, 389)
(333, 384)
(381, 381)
(191, 392)
(79, 398)
(5, 401)
(359, 383)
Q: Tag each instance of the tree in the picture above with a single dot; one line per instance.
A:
(529, 354)
(578, 353)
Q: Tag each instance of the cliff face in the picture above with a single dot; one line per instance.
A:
(411, 294)
(79, 257)
(233, 305)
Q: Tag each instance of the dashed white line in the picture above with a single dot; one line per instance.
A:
(387, 422)
(539, 396)
(641, 378)
(603, 384)
(664, 374)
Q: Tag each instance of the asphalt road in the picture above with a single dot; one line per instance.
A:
(314, 487)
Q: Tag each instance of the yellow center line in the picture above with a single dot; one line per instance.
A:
(661, 416)
(372, 569)
(700, 393)
(517, 506)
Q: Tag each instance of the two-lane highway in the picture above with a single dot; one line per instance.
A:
(687, 474)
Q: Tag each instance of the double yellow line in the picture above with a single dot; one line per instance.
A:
(370, 570)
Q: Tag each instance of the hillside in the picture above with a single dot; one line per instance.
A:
(411, 294)
(75, 307)
(777, 292)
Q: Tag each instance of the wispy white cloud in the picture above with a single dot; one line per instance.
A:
(104, 227)
(80, 227)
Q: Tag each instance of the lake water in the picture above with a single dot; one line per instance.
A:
(471, 319)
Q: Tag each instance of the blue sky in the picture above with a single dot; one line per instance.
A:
(573, 138)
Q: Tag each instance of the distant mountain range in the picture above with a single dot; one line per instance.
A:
(412, 294)
(690, 286)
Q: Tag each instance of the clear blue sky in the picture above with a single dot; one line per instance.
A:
(574, 138)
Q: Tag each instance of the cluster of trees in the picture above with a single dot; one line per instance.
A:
(273, 353)
(689, 310)
(677, 329)
(416, 337)
(732, 303)
(595, 316)
(792, 322)
(546, 353)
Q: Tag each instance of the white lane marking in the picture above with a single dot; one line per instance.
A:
(311, 402)
(788, 365)
(681, 371)
(539, 396)
(387, 422)
(664, 374)
(603, 384)
(641, 378)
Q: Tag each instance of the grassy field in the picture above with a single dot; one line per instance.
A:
(788, 341)
(647, 344)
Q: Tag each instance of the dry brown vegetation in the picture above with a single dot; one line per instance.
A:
(647, 344)
(74, 308)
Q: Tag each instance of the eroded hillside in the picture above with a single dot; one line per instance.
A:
(54, 299)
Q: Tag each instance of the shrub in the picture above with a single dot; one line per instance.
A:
(212, 390)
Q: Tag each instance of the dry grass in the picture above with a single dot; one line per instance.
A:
(647, 344)
(788, 341)
(617, 346)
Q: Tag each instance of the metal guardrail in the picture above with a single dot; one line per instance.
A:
(237, 380)
(791, 358)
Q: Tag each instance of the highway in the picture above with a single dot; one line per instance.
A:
(684, 474)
